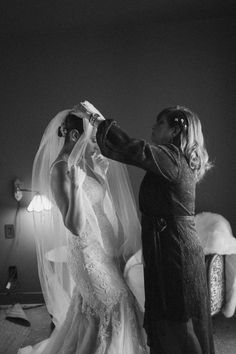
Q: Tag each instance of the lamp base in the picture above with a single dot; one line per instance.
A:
(16, 314)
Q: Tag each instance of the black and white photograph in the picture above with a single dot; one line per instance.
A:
(117, 187)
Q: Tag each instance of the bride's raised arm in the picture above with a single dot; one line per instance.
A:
(67, 192)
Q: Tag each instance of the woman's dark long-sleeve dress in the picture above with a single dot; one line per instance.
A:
(174, 264)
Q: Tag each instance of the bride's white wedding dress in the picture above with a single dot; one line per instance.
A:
(103, 316)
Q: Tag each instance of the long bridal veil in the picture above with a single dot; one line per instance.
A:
(51, 236)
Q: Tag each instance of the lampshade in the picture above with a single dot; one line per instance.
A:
(39, 203)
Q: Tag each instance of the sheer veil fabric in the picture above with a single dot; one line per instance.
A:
(51, 236)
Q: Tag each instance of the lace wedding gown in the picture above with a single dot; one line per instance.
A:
(103, 316)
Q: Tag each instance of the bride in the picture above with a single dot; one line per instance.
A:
(83, 243)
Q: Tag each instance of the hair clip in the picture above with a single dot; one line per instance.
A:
(181, 122)
(63, 130)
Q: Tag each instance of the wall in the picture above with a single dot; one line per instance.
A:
(130, 73)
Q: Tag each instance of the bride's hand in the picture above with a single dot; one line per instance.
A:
(77, 176)
(101, 161)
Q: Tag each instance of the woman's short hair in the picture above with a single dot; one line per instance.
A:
(190, 140)
(71, 122)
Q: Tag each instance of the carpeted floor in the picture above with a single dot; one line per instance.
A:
(224, 330)
(14, 336)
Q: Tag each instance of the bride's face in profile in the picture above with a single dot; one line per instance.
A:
(92, 147)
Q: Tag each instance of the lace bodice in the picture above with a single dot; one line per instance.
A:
(96, 193)
(94, 267)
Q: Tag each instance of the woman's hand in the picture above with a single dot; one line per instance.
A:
(80, 111)
(77, 176)
(89, 108)
(87, 111)
(101, 162)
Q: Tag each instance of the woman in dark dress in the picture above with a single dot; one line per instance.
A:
(177, 312)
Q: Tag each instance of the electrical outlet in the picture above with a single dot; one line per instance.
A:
(9, 231)
(12, 272)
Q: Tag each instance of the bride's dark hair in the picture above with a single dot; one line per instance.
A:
(71, 122)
